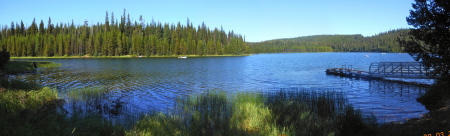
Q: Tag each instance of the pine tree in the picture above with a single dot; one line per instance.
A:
(429, 42)
(50, 26)
(106, 21)
(33, 28)
(41, 28)
(117, 38)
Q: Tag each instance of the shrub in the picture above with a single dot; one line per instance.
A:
(436, 95)
(4, 58)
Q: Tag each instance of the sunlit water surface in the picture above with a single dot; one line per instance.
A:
(155, 83)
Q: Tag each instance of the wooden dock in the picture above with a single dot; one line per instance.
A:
(383, 70)
(344, 72)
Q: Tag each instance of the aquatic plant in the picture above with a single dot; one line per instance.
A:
(299, 112)
(250, 115)
(47, 64)
(93, 100)
(28, 109)
(86, 94)
(207, 114)
(16, 67)
(318, 112)
(13, 101)
(14, 84)
(159, 124)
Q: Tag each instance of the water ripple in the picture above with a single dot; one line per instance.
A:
(155, 83)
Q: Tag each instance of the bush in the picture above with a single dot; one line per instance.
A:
(4, 58)
(436, 96)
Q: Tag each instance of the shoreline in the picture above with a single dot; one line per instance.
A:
(170, 56)
(129, 56)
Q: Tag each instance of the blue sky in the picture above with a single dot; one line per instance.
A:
(257, 20)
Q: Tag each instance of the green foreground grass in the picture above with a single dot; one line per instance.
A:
(287, 112)
(27, 109)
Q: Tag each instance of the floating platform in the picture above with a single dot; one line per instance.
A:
(350, 73)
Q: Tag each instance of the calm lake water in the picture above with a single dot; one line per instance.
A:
(154, 83)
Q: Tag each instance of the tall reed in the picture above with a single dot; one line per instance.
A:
(16, 67)
(28, 109)
(41, 112)
(287, 112)
(318, 112)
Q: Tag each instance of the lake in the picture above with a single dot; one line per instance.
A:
(154, 83)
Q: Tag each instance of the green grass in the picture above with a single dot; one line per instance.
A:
(19, 100)
(39, 111)
(47, 64)
(299, 112)
(158, 124)
(86, 94)
(16, 84)
(318, 112)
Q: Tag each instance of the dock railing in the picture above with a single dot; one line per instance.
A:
(399, 70)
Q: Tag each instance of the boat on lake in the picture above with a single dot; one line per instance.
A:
(366, 55)
(182, 57)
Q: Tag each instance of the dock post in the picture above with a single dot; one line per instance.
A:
(343, 69)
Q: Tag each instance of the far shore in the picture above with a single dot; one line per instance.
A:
(126, 56)
(169, 56)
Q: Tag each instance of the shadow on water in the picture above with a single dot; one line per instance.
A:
(388, 100)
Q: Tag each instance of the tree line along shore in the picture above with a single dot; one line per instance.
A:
(122, 37)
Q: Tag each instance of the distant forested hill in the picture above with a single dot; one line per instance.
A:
(383, 42)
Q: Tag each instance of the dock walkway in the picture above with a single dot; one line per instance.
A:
(382, 70)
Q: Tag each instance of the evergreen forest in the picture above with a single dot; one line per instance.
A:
(118, 38)
(383, 42)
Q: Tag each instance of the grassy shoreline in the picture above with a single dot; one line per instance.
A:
(17, 67)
